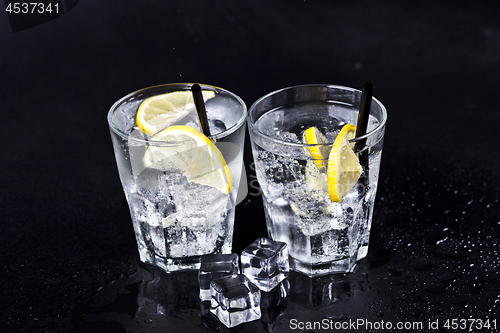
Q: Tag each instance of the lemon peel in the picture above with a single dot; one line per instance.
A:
(320, 153)
(343, 169)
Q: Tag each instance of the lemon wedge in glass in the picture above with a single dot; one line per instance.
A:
(160, 111)
(184, 148)
(344, 169)
(320, 153)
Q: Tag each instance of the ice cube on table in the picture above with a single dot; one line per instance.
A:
(213, 267)
(265, 263)
(235, 300)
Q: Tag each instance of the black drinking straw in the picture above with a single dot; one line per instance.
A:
(362, 128)
(200, 108)
(364, 109)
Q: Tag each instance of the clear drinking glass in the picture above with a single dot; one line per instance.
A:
(323, 237)
(176, 220)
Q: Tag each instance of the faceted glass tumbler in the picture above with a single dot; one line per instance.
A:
(324, 236)
(175, 219)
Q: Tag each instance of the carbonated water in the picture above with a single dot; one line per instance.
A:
(176, 221)
(298, 210)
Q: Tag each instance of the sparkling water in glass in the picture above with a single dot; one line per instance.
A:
(175, 220)
(323, 237)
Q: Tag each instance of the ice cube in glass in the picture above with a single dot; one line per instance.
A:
(235, 300)
(265, 263)
(213, 267)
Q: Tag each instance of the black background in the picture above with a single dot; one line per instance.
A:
(69, 261)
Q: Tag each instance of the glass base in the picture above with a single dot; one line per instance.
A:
(170, 265)
(346, 265)
(147, 256)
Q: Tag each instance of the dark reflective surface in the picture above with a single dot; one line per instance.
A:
(69, 259)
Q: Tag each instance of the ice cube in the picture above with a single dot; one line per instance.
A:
(213, 267)
(235, 300)
(330, 245)
(216, 126)
(265, 263)
(190, 119)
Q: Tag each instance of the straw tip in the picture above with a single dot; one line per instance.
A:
(195, 88)
(368, 86)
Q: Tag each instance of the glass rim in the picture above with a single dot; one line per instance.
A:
(254, 129)
(182, 86)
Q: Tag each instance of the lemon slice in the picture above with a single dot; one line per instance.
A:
(344, 169)
(160, 111)
(190, 152)
(320, 153)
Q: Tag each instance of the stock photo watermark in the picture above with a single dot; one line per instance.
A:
(367, 325)
(28, 14)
